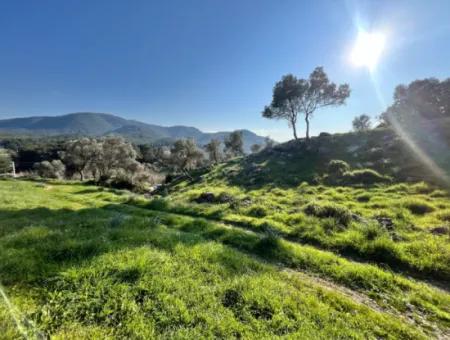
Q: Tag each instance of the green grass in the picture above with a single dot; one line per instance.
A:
(83, 262)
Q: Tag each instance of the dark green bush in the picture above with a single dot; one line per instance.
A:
(418, 207)
(337, 167)
(364, 176)
(257, 211)
(341, 214)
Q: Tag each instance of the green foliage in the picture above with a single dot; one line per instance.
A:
(418, 206)
(115, 270)
(5, 161)
(340, 213)
(293, 96)
(337, 167)
(364, 176)
(257, 211)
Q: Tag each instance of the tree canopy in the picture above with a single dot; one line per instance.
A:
(293, 96)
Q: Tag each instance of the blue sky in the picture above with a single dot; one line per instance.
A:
(211, 63)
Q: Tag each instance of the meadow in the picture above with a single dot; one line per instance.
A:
(78, 261)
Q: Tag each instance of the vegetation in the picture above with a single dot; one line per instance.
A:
(293, 96)
(5, 161)
(361, 123)
(80, 261)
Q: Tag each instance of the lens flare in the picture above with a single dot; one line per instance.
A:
(368, 49)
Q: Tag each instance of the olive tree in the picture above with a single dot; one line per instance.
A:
(80, 155)
(185, 155)
(361, 123)
(293, 96)
(234, 144)
(214, 151)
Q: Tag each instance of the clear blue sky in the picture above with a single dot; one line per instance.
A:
(212, 63)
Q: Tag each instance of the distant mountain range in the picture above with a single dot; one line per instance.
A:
(102, 124)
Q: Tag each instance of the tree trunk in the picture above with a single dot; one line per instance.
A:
(294, 129)
(81, 175)
(307, 126)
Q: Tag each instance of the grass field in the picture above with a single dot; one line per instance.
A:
(78, 261)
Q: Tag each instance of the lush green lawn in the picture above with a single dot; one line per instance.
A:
(81, 262)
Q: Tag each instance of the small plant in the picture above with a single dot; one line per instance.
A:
(418, 207)
(158, 204)
(257, 211)
(341, 214)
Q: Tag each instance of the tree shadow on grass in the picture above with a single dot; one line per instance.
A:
(45, 242)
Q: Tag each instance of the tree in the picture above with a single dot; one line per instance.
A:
(269, 143)
(5, 161)
(426, 99)
(53, 169)
(234, 144)
(255, 148)
(80, 154)
(214, 152)
(361, 123)
(112, 154)
(185, 155)
(293, 96)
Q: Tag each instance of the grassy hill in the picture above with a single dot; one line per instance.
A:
(271, 245)
(78, 261)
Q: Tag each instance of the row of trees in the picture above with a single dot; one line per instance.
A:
(114, 161)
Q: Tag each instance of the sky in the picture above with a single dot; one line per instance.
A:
(210, 64)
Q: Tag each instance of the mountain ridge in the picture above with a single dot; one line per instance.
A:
(93, 124)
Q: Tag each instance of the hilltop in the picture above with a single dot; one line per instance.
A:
(100, 124)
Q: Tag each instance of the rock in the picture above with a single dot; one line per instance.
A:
(385, 222)
(442, 230)
(352, 148)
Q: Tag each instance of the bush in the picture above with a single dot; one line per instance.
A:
(257, 211)
(341, 214)
(418, 207)
(364, 176)
(54, 169)
(337, 167)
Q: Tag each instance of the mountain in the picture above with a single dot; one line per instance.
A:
(101, 124)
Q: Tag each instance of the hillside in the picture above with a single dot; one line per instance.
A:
(84, 262)
(270, 245)
(99, 124)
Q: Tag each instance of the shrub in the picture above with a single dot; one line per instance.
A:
(364, 176)
(257, 211)
(337, 167)
(418, 207)
(158, 204)
(363, 198)
(53, 169)
(341, 214)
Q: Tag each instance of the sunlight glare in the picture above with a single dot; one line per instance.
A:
(367, 50)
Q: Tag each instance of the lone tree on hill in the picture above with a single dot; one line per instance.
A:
(361, 123)
(293, 96)
(234, 144)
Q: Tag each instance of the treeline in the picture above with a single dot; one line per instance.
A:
(112, 161)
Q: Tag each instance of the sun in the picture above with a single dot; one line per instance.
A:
(368, 49)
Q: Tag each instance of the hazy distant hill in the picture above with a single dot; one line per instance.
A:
(100, 124)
